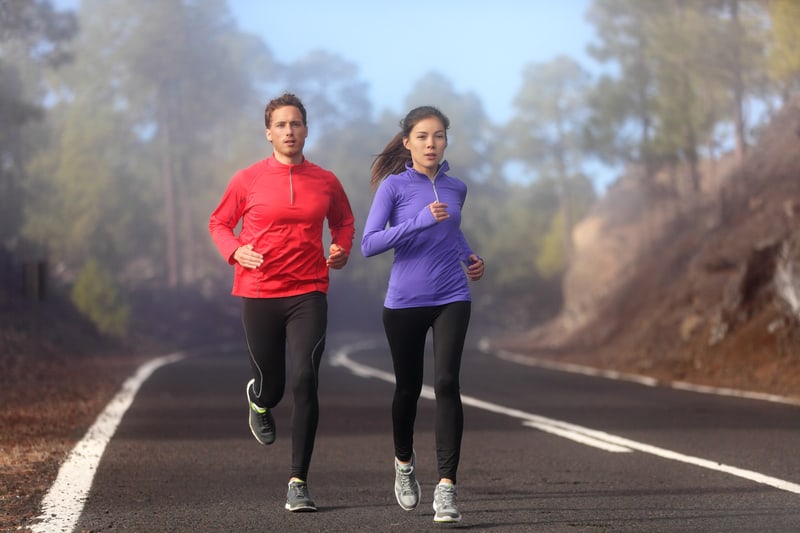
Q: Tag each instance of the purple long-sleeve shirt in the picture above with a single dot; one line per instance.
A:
(429, 257)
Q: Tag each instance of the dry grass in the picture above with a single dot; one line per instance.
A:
(49, 401)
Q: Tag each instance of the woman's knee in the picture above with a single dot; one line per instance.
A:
(445, 386)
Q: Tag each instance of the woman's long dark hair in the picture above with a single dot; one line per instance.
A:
(393, 158)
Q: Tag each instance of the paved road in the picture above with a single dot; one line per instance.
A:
(543, 451)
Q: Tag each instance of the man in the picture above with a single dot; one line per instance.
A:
(281, 274)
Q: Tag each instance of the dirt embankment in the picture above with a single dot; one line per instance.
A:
(701, 286)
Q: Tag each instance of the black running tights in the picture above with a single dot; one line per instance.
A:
(406, 330)
(297, 324)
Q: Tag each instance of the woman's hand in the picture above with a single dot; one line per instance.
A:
(476, 268)
(247, 257)
(337, 258)
(439, 211)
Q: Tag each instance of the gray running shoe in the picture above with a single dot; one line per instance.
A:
(262, 425)
(298, 499)
(444, 504)
(406, 486)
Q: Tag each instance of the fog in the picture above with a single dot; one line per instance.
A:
(127, 119)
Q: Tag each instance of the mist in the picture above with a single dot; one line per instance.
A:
(128, 119)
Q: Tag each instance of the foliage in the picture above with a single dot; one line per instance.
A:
(685, 70)
(95, 294)
(82, 181)
(784, 55)
(552, 260)
(548, 136)
(33, 38)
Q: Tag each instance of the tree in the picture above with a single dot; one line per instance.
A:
(82, 179)
(687, 67)
(33, 38)
(95, 294)
(623, 106)
(172, 69)
(784, 54)
(733, 67)
(330, 89)
(547, 133)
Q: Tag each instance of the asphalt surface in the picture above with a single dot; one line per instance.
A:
(183, 458)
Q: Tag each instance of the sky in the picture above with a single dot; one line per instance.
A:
(480, 46)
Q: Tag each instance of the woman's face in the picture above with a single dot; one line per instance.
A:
(427, 142)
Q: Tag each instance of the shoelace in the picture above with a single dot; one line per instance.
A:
(447, 498)
(263, 416)
(405, 481)
(300, 491)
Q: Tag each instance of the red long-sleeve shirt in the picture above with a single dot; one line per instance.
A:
(282, 209)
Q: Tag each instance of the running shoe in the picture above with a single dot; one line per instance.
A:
(298, 499)
(406, 486)
(444, 503)
(262, 425)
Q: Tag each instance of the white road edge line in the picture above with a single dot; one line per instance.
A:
(566, 429)
(635, 378)
(63, 503)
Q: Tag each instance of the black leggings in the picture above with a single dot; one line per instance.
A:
(406, 330)
(296, 323)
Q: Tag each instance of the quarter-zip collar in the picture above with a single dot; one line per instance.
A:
(273, 161)
(443, 167)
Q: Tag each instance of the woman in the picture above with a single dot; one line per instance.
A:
(281, 274)
(428, 289)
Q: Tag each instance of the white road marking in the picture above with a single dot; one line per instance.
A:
(63, 503)
(577, 437)
(583, 435)
(635, 378)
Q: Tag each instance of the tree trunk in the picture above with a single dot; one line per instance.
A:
(168, 188)
(738, 83)
(188, 236)
(565, 196)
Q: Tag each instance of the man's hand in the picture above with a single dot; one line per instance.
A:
(247, 257)
(337, 258)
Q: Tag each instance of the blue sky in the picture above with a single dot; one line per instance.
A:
(480, 46)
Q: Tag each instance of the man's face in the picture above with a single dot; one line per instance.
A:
(287, 133)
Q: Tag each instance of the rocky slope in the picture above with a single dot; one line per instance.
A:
(697, 286)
